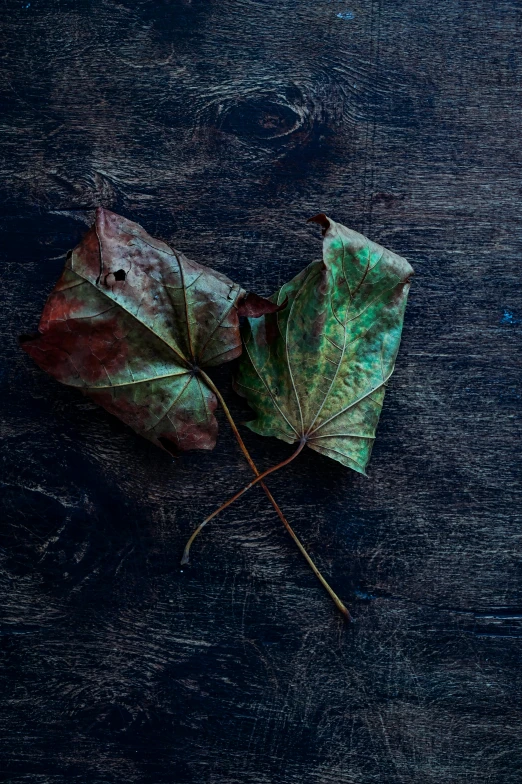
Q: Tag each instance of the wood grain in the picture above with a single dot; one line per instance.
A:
(221, 127)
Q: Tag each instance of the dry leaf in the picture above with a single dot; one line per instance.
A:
(132, 323)
(316, 372)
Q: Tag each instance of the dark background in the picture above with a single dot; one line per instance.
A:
(220, 126)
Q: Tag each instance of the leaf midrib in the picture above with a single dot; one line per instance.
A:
(311, 430)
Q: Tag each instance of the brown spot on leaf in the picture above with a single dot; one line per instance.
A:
(254, 306)
(271, 328)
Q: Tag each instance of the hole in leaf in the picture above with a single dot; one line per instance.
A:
(120, 275)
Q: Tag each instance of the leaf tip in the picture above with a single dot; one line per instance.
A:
(168, 445)
(99, 215)
(323, 221)
(101, 212)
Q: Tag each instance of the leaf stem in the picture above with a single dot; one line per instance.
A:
(270, 497)
(208, 381)
(258, 478)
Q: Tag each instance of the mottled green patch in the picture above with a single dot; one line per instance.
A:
(321, 374)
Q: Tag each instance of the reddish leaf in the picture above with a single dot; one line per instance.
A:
(132, 322)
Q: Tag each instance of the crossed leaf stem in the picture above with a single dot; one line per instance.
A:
(259, 479)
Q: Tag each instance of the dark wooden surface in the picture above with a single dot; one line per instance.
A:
(221, 125)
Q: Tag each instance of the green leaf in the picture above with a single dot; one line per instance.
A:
(132, 322)
(317, 370)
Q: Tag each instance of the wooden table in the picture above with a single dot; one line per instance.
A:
(220, 126)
